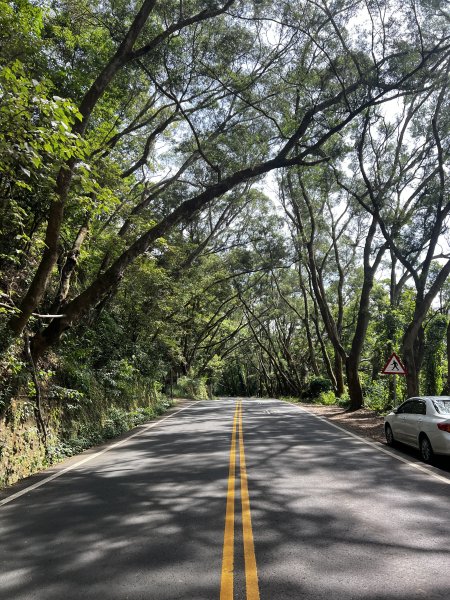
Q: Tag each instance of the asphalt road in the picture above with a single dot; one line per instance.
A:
(326, 516)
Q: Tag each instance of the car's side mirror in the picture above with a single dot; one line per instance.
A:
(395, 411)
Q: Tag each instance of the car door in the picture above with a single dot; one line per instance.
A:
(412, 420)
(399, 422)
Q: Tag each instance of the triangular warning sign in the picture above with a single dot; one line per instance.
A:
(394, 366)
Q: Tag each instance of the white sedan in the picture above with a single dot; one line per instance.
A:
(422, 422)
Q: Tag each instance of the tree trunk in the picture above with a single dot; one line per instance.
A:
(69, 268)
(40, 280)
(339, 374)
(412, 376)
(354, 383)
(412, 354)
(408, 355)
(362, 322)
(312, 353)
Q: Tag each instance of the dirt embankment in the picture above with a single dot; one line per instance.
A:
(364, 422)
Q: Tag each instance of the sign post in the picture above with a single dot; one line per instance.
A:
(394, 366)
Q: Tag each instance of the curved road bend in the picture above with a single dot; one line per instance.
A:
(229, 500)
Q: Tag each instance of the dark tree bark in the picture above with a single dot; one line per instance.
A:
(311, 350)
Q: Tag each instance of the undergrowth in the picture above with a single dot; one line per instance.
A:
(81, 408)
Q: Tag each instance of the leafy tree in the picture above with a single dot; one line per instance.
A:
(433, 354)
(136, 141)
(406, 193)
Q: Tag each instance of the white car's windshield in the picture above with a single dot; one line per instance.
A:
(442, 406)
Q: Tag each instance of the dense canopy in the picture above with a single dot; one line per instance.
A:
(233, 197)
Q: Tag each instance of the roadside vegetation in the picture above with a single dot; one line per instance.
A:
(198, 198)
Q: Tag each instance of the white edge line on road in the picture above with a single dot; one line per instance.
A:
(141, 430)
(378, 447)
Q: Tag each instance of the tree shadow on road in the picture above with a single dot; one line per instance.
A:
(337, 519)
(332, 518)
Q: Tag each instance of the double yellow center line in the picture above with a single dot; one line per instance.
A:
(251, 575)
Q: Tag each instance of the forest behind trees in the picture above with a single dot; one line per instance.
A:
(232, 197)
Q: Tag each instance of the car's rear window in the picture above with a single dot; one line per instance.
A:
(442, 406)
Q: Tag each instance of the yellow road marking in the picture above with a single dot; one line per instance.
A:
(251, 574)
(226, 584)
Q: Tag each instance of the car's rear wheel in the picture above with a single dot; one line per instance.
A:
(389, 435)
(426, 449)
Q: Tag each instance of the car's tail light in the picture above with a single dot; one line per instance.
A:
(444, 426)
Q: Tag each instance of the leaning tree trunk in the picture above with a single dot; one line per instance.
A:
(89, 298)
(323, 348)
(40, 280)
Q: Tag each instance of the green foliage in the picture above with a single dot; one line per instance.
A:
(21, 24)
(35, 128)
(434, 355)
(36, 138)
(344, 400)
(192, 387)
(378, 395)
(326, 398)
(75, 422)
(316, 386)
(115, 422)
(224, 300)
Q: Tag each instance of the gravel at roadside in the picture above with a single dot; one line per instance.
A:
(364, 422)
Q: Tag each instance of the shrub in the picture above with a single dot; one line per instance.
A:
(327, 398)
(117, 421)
(377, 396)
(316, 386)
(343, 401)
(193, 387)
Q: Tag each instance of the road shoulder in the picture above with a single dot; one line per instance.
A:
(364, 422)
(409, 456)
